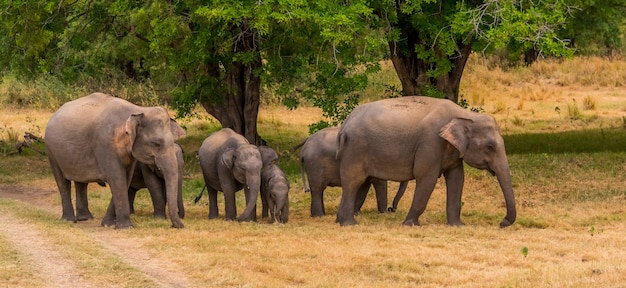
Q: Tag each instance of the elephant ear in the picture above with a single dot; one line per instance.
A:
(228, 158)
(456, 132)
(177, 131)
(131, 125)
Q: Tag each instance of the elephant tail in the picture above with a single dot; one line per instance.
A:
(195, 201)
(341, 141)
(305, 180)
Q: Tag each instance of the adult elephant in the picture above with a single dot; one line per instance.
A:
(230, 163)
(148, 176)
(419, 138)
(99, 138)
(320, 169)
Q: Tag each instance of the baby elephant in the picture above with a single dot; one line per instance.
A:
(274, 193)
(230, 163)
(147, 176)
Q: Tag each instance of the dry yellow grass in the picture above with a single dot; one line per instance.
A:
(569, 233)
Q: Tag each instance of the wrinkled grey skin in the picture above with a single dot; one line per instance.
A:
(99, 138)
(275, 193)
(420, 138)
(319, 166)
(230, 163)
(148, 176)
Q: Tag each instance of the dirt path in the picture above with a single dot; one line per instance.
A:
(59, 271)
(30, 242)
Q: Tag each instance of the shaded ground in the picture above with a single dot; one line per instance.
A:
(58, 270)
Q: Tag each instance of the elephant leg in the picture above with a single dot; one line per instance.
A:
(132, 193)
(264, 203)
(118, 212)
(455, 178)
(157, 194)
(65, 190)
(380, 186)
(82, 203)
(109, 217)
(156, 187)
(317, 200)
(350, 187)
(398, 196)
(179, 198)
(213, 209)
(230, 206)
(424, 187)
(360, 196)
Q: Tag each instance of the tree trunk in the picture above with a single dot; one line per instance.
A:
(238, 108)
(412, 71)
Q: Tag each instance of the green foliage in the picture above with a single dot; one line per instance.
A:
(525, 251)
(596, 27)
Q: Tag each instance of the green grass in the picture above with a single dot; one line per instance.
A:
(579, 141)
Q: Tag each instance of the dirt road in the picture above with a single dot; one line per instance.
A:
(56, 268)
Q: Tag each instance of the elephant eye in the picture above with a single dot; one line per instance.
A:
(490, 148)
(156, 144)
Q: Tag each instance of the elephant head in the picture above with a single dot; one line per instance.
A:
(152, 135)
(268, 155)
(245, 163)
(480, 145)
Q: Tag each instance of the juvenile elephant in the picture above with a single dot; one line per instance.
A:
(99, 138)
(419, 138)
(229, 163)
(148, 176)
(275, 193)
(319, 166)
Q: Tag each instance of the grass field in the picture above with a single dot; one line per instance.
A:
(564, 125)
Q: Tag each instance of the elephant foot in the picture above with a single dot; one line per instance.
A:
(391, 209)
(314, 215)
(177, 224)
(505, 223)
(123, 225)
(247, 219)
(84, 216)
(411, 222)
(68, 218)
(107, 222)
(457, 223)
(350, 221)
(159, 216)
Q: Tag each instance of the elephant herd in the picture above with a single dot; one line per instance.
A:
(104, 139)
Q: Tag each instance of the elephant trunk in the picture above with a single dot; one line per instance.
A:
(503, 174)
(281, 209)
(168, 165)
(253, 186)
(180, 163)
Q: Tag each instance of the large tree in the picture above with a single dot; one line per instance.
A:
(216, 54)
(430, 41)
